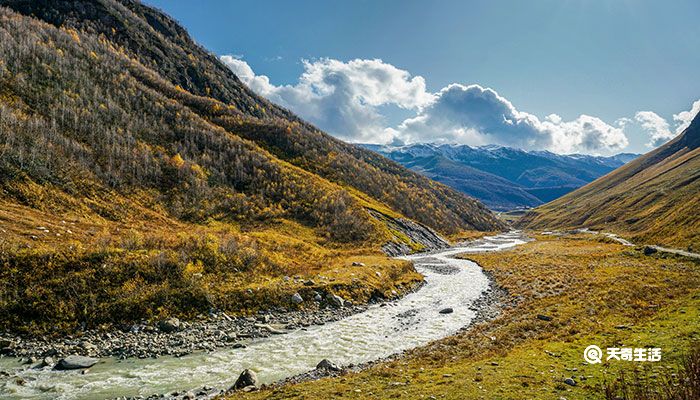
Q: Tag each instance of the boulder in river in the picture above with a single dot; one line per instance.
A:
(245, 379)
(327, 365)
(447, 310)
(46, 362)
(76, 362)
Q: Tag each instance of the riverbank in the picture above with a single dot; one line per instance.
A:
(447, 302)
(178, 338)
(206, 333)
(486, 307)
(564, 293)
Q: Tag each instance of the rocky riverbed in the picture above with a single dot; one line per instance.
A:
(175, 337)
(486, 307)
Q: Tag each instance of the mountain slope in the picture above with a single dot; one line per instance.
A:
(139, 179)
(653, 199)
(159, 44)
(503, 178)
(493, 190)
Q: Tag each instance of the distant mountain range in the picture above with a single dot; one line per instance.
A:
(653, 199)
(503, 178)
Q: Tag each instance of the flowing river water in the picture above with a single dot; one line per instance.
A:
(375, 333)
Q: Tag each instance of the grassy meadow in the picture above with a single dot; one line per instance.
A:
(589, 290)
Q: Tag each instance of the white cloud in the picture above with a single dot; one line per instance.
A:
(342, 97)
(684, 118)
(258, 83)
(475, 115)
(657, 127)
(346, 99)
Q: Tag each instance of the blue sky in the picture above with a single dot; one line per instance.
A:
(604, 60)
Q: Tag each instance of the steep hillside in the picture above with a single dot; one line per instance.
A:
(503, 178)
(159, 44)
(140, 178)
(653, 199)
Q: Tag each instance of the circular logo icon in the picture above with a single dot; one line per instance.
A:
(593, 354)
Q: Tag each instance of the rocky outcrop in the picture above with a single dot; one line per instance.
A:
(419, 236)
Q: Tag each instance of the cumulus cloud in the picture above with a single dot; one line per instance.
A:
(258, 83)
(346, 99)
(684, 118)
(342, 97)
(656, 127)
(475, 115)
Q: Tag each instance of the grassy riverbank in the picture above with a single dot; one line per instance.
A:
(595, 292)
(62, 274)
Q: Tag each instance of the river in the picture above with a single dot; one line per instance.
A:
(375, 333)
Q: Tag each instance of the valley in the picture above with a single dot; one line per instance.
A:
(363, 335)
(564, 293)
(204, 215)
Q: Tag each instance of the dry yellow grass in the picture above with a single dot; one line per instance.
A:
(58, 271)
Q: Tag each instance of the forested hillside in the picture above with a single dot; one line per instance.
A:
(139, 177)
(158, 44)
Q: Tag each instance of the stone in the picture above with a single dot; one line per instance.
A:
(309, 283)
(447, 310)
(297, 299)
(358, 264)
(327, 365)
(336, 300)
(76, 362)
(648, 250)
(544, 317)
(318, 298)
(170, 325)
(246, 379)
(46, 362)
(570, 382)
